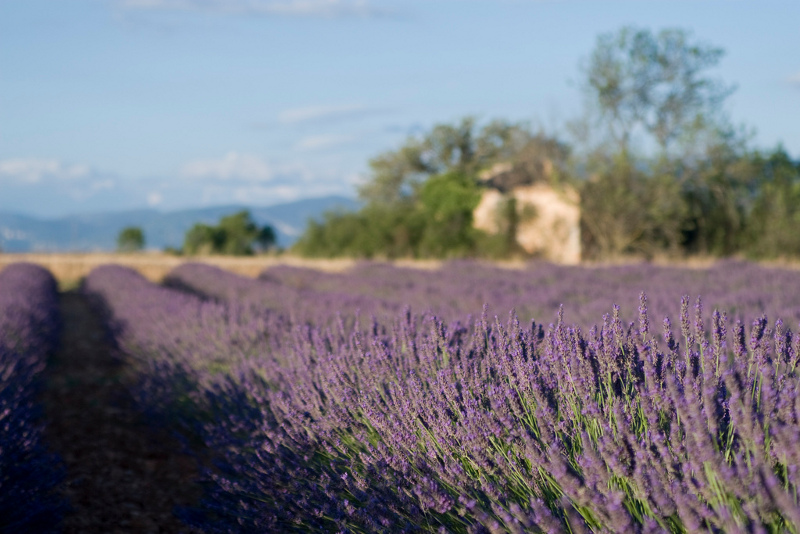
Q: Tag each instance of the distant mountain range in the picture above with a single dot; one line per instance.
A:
(98, 232)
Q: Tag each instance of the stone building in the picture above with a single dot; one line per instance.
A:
(547, 218)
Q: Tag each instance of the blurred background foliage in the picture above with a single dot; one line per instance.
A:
(420, 198)
(130, 239)
(235, 234)
(660, 170)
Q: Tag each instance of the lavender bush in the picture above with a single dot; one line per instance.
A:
(29, 323)
(472, 424)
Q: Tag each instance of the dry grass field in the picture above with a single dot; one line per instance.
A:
(70, 268)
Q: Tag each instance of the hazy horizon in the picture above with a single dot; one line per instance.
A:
(168, 211)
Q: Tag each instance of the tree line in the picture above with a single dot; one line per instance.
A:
(659, 167)
(235, 234)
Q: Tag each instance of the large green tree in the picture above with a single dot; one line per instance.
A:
(446, 205)
(463, 147)
(653, 84)
(668, 173)
(627, 210)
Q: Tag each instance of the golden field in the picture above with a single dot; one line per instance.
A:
(70, 268)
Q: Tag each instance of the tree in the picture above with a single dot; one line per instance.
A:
(718, 190)
(235, 234)
(775, 216)
(390, 231)
(656, 84)
(265, 239)
(202, 239)
(130, 239)
(625, 210)
(397, 175)
(419, 199)
(446, 204)
(653, 91)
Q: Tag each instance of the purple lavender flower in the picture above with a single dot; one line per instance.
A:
(29, 328)
(321, 417)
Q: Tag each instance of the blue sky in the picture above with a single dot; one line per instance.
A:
(119, 104)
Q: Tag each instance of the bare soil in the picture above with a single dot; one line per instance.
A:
(122, 474)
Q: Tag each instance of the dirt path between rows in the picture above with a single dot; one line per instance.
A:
(122, 475)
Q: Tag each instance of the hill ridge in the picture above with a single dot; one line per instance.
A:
(97, 232)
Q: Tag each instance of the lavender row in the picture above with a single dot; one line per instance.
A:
(502, 429)
(163, 330)
(485, 426)
(297, 302)
(29, 326)
(743, 290)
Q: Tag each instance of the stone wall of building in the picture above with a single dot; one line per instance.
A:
(549, 220)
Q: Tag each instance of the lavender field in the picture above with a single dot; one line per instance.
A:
(467, 400)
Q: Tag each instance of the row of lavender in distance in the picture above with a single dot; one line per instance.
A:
(164, 331)
(743, 290)
(487, 425)
(294, 301)
(29, 326)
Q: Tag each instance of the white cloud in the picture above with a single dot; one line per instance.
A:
(261, 194)
(232, 166)
(35, 170)
(154, 198)
(795, 79)
(314, 113)
(301, 8)
(102, 185)
(291, 183)
(319, 142)
(50, 187)
(45, 186)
